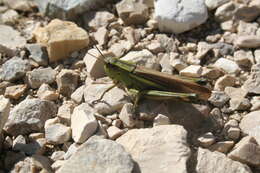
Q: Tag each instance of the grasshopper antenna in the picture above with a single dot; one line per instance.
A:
(97, 48)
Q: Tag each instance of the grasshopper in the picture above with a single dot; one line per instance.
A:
(143, 82)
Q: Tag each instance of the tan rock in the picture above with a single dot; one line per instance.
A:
(192, 71)
(249, 41)
(216, 162)
(114, 132)
(222, 147)
(65, 111)
(224, 81)
(15, 92)
(5, 106)
(207, 139)
(101, 35)
(45, 92)
(61, 38)
(246, 151)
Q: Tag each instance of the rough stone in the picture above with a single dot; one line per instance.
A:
(57, 155)
(57, 133)
(114, 132)
(29, 116)
(112, 101)
(95, 66)
(38, 53)
(15, 92)
(223, 147)
(4, 111)
(250, 125)
(101, 155)
(244, 58)
(180, 16)
(224, 82)
(11, 40)
(252, 84)
(68, 10)
(208, 161)
(120, 48)
(192, 71)
(161, 120)
(45, 92)
(15, 69)
(213, 4)
(37, 162)
(247, 13)
(207, 139)
(101, 35)
(246, 151)
(145, 145)
(83, 123)
(127, 115)
(67, 81)
(248, 41)
(78, 94)
(238, 100)
(61, 38)
(65, 111)
(132, 12)
(98, 19)
(20, 5)
(37, 146)
(10, 17)
(37, 77)
(233, 133)
(218, 98)
(227, 65)
(226, 11)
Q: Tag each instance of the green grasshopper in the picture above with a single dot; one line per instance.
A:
(143, 82)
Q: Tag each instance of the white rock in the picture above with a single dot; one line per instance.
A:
(158, 149)
(78, 94)
(248, 41)
(208, 161)
(227, 65)
(224, 81)
(45, 92)
(83, 123)
(127, 115)
(114, 132)
(4, 111)
(10, 40)
(161, 119)
(51, 122)
(65, 111)
(207, 139)
(57, 133)
(192, 71)
(213, 4)
(222, 147)
(225, 12)
(180, 16)
(95, 67)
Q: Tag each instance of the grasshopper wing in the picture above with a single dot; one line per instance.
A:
(172, 82)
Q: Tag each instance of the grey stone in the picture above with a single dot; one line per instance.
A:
(83, 123)
(218, 98)
(67, 9)
(158, 147)
(35, 147)
(71, 150)
(29, 116)
(15, 69)
(37, 77)
(247, 41)
(11, 158)
(38, 53)
(67, 81)
(65, 111)
(247, 13)
(11, 40)
(180, 16)
(102, 155)
(10, 17)
(132, 12)
(208, 161)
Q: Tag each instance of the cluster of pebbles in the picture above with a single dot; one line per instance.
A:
(49, 81)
